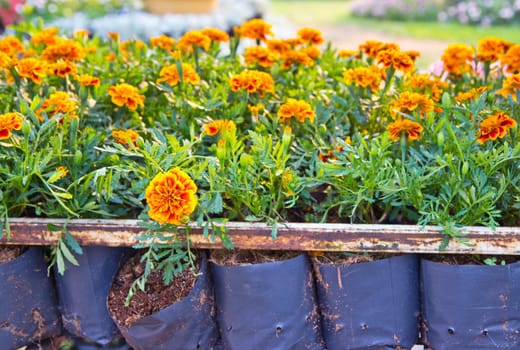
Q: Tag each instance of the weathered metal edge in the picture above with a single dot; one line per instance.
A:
(291, 236)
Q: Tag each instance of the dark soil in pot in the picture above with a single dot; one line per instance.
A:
(8, 253)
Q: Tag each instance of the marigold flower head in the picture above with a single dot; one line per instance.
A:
(216, 34)
(426, 84)
(298, 109)
(366, 77)
(490, 49)
(471, 94)
(457, 58)
(293, 57)
(372, 47)
(31, 68)
(347, 53)
(81, 33)
(62, 68)
(123, 136)
(60, 102)
(495, 126)
(47, 36)
(64, 49)
(11, 46)
(6, 61)
(510, 86)
(278, 45)
(223, 126)
(171, 75)
(255, 28)
(409, 102)
(398, 60)
(87, 80)
(114, 36)
(412, 130)
(311, 36)
(312, 51)
(126, 95)
(192, 39)
(162, 41)
(511, 59)
(260, 55)
(62, 170)
(252, 81)
(171, 197)
(256, 109)
(9, 122)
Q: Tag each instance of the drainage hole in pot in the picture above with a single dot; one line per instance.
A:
(451, 330)
(364, 326)
(279, 330)
(485, 333)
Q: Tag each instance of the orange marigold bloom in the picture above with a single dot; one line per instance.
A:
(495, 126)
(6, 61)
(31, 68)
(81, 33)
(471, 94)
(511, 59)
(11, 46)
(194, 38)
(490, 49)
(510, 86)
(297, 57)
(9, 122)
(372, 47)
(278, 45)
(255, 110)
(60, 102)
(170, 74)
(65, 49)
(298, 109)
(216, 34)
(126, 95)
(171, 197)
(62, 170)
(347, 53)
(123, 136)
(87, 80)
(424, 83)
(62, 68)
(220, 126)
(261, 55)
(255, 28)
(162, 41)
(410, 129)
(311, 36)
(408, 102)
(253, 81)
(366, 77)
(47, 36)
(114, 36)
(311, 51)
(396, 59)
(111, 57)
(457, 58)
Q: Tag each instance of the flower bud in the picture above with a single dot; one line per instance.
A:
(446, 101)
(440, 139)
(26, 128)
(465, 168)
(78, 157)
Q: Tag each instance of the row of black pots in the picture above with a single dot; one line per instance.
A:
(275, 305)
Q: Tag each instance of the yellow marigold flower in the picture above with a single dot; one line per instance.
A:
(111, 57)
(490, 49)
(311, 36)
(64, 49)
(495, 126)
(510, 86)
(6, 61)
(81, 33)
(114, 36)
(511, 59)
(255, 28)
(216, 34)
(31, 68)
(170, 74)
(366, 77)
(62, 68)
(261, 55)
(347, 53)
(255, 110)
(87, 80)
(297, 57)
(412, 130)
(11, 46)
(62, 170)
(424, 83)
(220, 126)
(123, 136)
(278, 45)
(162, 41)
(171, 197)
(60, 102)
(471, 94)
(311, 51)
(409, 102)
(9, 122)
(372, 47)
(47, 36)
(298, 109)
(457, 58)
(253, 81)
(192, 39)
(401, 61)
(126, 95)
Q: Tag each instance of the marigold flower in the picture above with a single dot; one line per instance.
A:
(408, 102)
(490, 49)
(123, 136)
(216, 34)
(255, 28)
(114, 36)
(9, 122)
(60, 102)
(6, 61)
(471, 94)
(192, 39)
(62, 68)
(278, 45)
(162, 41)
(298, 109)
(81, 33)
(495, 126)
(11, 46)
(423, 83)
(396, 59)
(372, 47)
(64, 49)
(297, 57)
(31, 68)
(171, 197)
(311, 51)
(253, 81)
(366, 77)
(220, 126)
(171, 75)
(261, 55)
(510, 86)
(87, 80)
(111, 57)
(311, 36)
(126, 95)
(412, 130)
(511, 59)
(347, 53)
(255, 110)
(457, 58)
(62, 170)
(47, 36)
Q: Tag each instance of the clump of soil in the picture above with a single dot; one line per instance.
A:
(249, 257)
(341, 258)
(8, 253)
(472, 259)
(156, 297)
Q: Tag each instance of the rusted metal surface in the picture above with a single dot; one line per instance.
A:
(291, 236)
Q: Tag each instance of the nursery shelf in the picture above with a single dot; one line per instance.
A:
(291, 236)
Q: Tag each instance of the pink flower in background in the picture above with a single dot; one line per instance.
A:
(8, 11)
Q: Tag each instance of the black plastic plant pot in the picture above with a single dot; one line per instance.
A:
(370, 305)
(268, 305)
(188, 324)
(471, 306)
(28, 307)
(83, 291)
